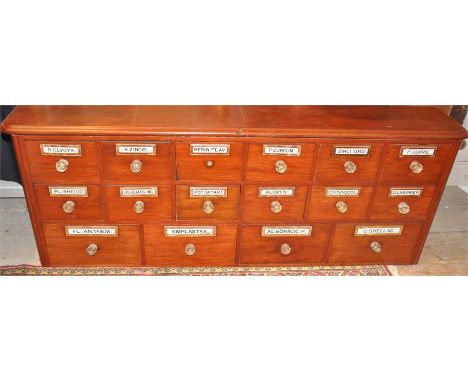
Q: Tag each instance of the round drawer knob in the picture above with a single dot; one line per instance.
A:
(416, 167)
(350, 167)
(139, 207)
(136, 166)
(209, 163)
(276, 207)
(376, 247)
(68, 207)
(190, 249)
(285, 249)
(61, 165)
(91, 249)
(281, 167)
(403, 208)
(208, 207)
(342, 207)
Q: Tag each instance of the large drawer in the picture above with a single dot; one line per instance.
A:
(93, 245)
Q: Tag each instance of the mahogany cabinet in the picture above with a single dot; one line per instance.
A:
(232, 185)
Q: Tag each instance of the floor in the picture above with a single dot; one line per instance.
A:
(445, 252)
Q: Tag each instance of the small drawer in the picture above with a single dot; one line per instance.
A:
(186, 246)
(374, 244)
(339, 203)
(93, 245)
(280, 162)
(139, 202)
(63, 161)
(344, 162)
(305, 244)
(402, 203)
(207, 202)
(415, 164)
(69, 202)
(274, 202)
(136, 161)
(208, 161)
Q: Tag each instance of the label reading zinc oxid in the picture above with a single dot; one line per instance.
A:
(274, 192)
(68, 191)
(418, 151)
(287, 231)
(209, 149)
(282, 150)
(91, 231)
(135, 149)
(406, 191)
(342, 192)
(214, 192)
(129, 192)
(378, 230)
(60, 150)
(358, 150)
(190, 231)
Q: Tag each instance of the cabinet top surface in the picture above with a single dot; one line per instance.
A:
(400, 122)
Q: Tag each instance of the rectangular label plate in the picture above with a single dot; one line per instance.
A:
(135, 149)
(342, 192)
(61, 150)
(378, 230)
(135, 192)
(212, 192)
(287, 150)
(352, 150)
(111, 231)
(192, 231)
(264, 192)
(76, 192)
(418, 151)
(396, 192)
(286, 231)
(209, 149)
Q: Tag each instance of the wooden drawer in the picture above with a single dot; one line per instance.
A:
(63, 161)
(339, 203)
(208, 161)
(286, 245)
(174, 245)
(274, 202)
(120, 249)
(139, 203)
(401, 203)
(207, 202)
(348, 248)
(415, 164)
(280, 162)
(69, 202)
(136, 161)
(345, 162)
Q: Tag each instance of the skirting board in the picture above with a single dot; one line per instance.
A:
(11, 190)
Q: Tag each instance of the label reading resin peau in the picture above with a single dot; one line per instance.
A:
(418, 151)
(378, 230)
(69, 191)
(190, 231)
(91, 231)
(360, 150)
(287, 231)
(342, 192)
(135, 149)
(405, 191)
(209, 149)
(287, 150)
(133, 192)
(275, 192)
(60, 150)
(202, 192)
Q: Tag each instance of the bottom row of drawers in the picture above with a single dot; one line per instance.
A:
(121, 245)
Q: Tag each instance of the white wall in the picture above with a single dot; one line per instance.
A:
(459, 174)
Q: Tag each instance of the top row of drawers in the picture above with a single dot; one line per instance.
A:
(88, 161)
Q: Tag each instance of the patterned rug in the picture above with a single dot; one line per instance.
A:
(368, 270)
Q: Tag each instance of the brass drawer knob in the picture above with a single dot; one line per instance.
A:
(91, 249)
(136, 166)
(208, 207)
(285, 249)
(416, 167)
(342, 207)
(61, 165)
(350, 167)
(281, 167)
(68, 207)
(403, 208)
(209, 163)
(190, 249)
(276, 207)
(139, 207)
(376, 247)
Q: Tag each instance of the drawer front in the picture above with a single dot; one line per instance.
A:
(93, 245)
(274, 202)
(136, 161)
(69, 202)
(415, 164)
(339, 203)
(402, 202)
(280, 162)
(63, 161)
(139, 202)
(397, 248)
(257, 247)
(348, 162)
(207, 202)
(208, 161)
(185, 245)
